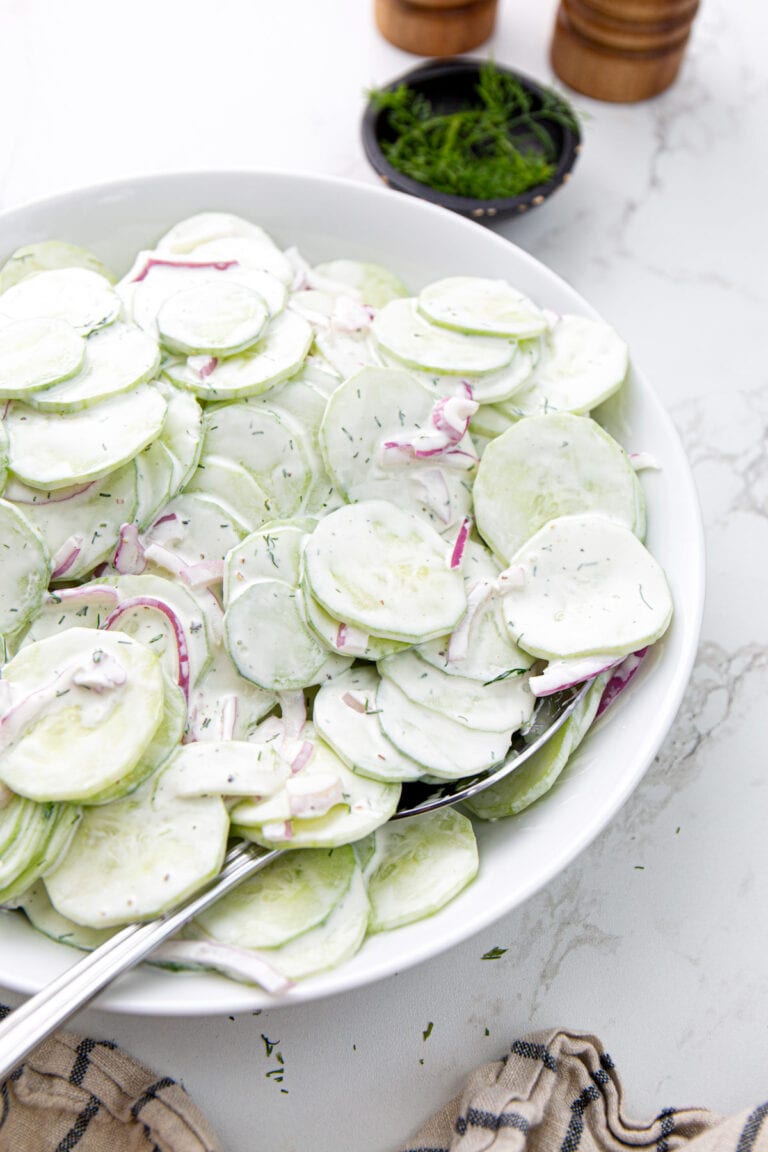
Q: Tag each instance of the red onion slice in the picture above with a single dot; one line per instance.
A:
(156, 605)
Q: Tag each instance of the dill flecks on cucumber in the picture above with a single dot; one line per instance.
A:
(498, 146)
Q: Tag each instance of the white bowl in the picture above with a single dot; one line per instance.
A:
(327, 218)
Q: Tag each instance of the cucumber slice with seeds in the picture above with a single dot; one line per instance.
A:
(380, 406)
(34, 354)
(233, 486)
(330, 943)
(270, 446)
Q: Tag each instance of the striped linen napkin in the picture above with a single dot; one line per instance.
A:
(559, 1091)
(555, 1091)
(90, 1095)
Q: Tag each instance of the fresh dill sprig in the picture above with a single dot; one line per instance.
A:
(497, 147)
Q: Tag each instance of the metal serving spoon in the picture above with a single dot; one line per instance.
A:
(23, 1029)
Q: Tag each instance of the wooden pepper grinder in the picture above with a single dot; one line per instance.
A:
(436, 27)
(621, 50)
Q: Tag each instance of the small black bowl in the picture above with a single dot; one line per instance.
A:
(450, 85)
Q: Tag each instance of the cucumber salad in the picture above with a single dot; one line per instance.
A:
(279, 539)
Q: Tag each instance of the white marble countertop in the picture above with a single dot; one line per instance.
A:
(655, 938)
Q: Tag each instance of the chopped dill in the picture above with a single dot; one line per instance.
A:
(498, 147)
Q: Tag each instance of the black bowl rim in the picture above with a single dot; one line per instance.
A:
(467, 205)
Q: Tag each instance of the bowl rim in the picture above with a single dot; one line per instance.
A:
(467, 205)
(146, 992)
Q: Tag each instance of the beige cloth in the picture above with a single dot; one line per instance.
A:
(90, 1095)
(559, 1092)
(555, 1092)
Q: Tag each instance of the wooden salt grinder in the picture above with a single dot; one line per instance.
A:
(621, 50)
(435, 27)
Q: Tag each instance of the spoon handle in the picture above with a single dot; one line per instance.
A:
(23, 1029)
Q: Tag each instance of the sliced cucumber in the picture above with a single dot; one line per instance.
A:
(418, 866)
(226, 768)
(54, 827)
(271, 553)
(36, 906)
(116, 358)
(168, 620)
(70, 741)
(365, 806)
(589, 587)
(82, 530)
(232, 486)
(155, 473)
(291, 896)
(37, 353)
(343, 638)
(217, 318)
(500, 706)
(329, 944)
(269, 446)
(275, 356)
(384, 570)
(166, 739)
(25, 568)
(268, 640)
(346, 716)
(482, 307)
(81, 297)
(372, 283)
(202, 528)
(224, 705)
(253, 253)
(47, 256)
(549, 466)
(536, 776)
(182, 432)
(448, 749)
(155, 280)
(402, 331)
(138, 857)
(583, 362)
(377, 407)
(55, 450)
(204, 227)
